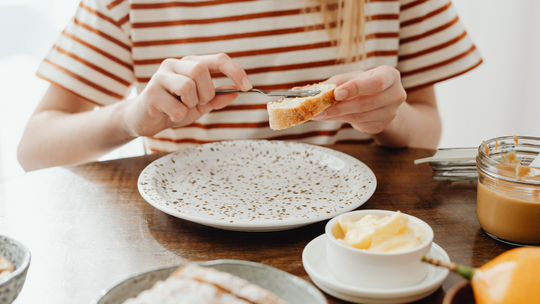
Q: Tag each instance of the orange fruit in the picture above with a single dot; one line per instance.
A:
(511, 277)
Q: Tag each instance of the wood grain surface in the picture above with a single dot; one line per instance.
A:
(88, 227)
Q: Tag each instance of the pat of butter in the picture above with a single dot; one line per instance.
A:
(387, 234)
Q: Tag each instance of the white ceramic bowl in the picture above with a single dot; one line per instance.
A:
(19, 255)
(362, 268)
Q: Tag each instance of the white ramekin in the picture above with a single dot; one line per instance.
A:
(364, 268)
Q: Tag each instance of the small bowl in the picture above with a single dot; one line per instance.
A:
(362, 268)
(461, 293)
(19, 255)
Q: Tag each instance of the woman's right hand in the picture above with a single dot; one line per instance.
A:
(180, 92)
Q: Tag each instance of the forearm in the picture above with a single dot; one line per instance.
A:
(416, 125)
(55, 137)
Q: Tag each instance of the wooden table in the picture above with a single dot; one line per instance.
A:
(88, 227)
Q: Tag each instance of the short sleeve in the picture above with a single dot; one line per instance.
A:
(92, 57)
(433, 44)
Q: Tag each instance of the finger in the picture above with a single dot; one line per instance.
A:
(342, 78)
(371, 82)
(198, 71)
(172, 107)
(372, 127)
(360, 104)
(372, 122)
(224, 64)
(180, 86)
(218, 102)
(385, 114)
(223, 100)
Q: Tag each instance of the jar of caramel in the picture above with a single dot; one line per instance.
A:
(508, 199)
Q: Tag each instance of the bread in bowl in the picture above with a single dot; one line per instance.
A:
(192, 284)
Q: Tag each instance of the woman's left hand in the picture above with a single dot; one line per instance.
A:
(368, 100)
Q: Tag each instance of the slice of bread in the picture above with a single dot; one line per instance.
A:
(228, 282)
(194, 284)
(181, 291)
(292, 111)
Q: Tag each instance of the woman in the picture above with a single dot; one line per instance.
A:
(385, 56)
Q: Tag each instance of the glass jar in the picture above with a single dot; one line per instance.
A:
(508, 204)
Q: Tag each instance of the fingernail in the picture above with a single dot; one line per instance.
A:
(341, 94)
(246, 85)
(320, 116)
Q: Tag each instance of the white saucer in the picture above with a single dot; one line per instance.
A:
(314, 260)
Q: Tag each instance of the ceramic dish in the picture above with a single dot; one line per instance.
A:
(256, 185)
(315, 264)
(461, 293)
(283, 284)
(363, 268)
(19, 255)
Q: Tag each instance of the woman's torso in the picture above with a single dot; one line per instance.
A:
(277, 44)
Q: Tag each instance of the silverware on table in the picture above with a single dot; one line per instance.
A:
(279, 93)
(453, 164)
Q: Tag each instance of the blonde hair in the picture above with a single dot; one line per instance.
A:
(348, 16)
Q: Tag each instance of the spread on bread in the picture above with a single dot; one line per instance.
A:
(197, 284)
(291, 111)
(6, 267)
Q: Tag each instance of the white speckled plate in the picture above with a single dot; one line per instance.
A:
(256, 185)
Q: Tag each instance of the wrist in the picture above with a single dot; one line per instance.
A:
(125, 118)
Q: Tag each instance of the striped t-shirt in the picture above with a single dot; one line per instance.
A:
(111, 45)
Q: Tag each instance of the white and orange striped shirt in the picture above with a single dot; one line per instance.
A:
(113, 44)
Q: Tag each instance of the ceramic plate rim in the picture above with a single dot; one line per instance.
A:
(27, 258)
(405, 298)
(308, 286)
(374, 292)
(291, 223)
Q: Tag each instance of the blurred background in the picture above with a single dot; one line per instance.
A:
(500, 97)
